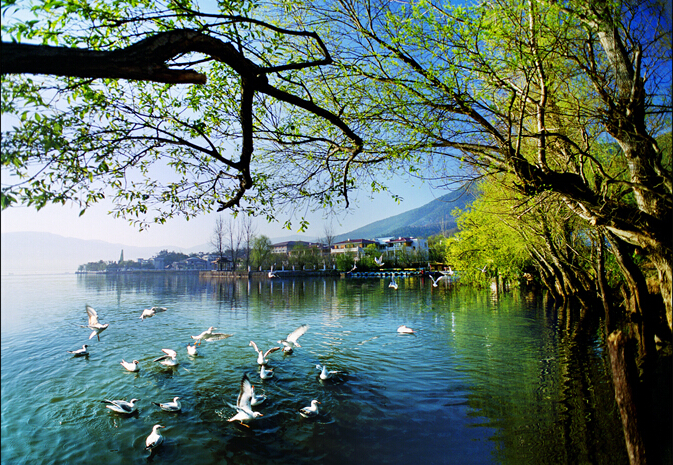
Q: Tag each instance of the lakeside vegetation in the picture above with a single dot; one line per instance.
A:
(560, 112)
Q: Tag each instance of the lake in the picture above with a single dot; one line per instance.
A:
(485, 379)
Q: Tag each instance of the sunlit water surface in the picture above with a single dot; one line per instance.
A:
(483, 380)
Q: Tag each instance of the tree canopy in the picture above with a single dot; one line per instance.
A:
(110, 116)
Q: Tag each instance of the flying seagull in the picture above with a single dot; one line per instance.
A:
(170, 359)
(209, 335)
(243, 407)
(379, 261)
(94, 324)
(261, 357)
(435, 281)
(292, 338)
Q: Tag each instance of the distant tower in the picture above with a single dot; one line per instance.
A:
(121, 257)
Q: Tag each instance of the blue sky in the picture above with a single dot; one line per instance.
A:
(97, 224)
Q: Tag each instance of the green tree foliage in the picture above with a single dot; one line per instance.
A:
(489, 245)
(566, 98)
(260, 252)
(113, 119)
(170, 257)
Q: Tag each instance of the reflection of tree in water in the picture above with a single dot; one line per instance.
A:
(561, 418)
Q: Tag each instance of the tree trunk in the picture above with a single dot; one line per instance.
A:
(625, 379)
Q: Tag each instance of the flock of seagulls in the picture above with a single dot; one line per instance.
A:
(247, 398)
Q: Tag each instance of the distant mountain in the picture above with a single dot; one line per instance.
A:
(38, 252)
(432, 218)
(45, 253)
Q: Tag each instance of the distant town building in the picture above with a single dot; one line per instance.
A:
(353, 246)
(290, 247)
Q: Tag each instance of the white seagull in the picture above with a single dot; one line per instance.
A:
(292, 338)
(256, 399)
(170, 359)
(191, 349)
(148, 313)
(354, 267)
(79, 352)
(243, 407)
(159, 309)
(94, 324)
(209, 335)
(393, 284)
(266, 374)
(405, 330)
(173, 406)
(271, 273)
(435, 281)
(483, 270)
(130, 366)
(155, 439)
(448, 273)
(379, 261)
(261, 357)
(311, 411)
(324, 374)
(121, 406)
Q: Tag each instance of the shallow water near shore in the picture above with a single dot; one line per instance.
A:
(483, 380)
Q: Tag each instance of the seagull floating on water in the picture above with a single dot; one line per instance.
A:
(393, 284)
(121, 406)
(266, 374)
(256, 399)
(79, 352)
(324, 373)
(261, 357)
(94, 324)
(130, 366)
(155, 439)
(170, 359)
(405, 330)
(209, 335)
(435, 281)
(173, 406)
(379, 261)
(310, 411)
(292, 339)
(243, 407)
(191, 349)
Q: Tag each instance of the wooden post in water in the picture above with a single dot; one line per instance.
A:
(625, 379)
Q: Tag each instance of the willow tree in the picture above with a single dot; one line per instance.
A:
(168, 109)
(534, 89)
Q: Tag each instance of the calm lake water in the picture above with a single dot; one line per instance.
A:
(484, 379)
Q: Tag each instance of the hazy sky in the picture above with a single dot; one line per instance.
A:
(97, 224)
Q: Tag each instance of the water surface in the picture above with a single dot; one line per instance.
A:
(483, 380)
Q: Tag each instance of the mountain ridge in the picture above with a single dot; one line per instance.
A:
(48, 253)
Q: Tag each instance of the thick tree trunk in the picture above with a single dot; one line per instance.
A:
(625, 379)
